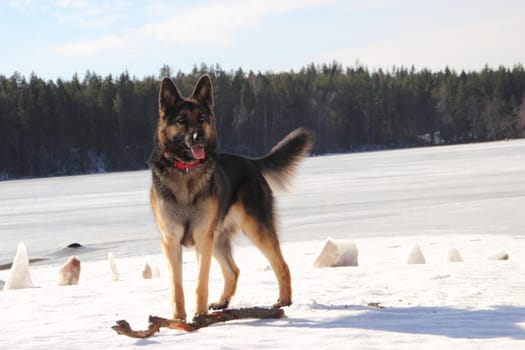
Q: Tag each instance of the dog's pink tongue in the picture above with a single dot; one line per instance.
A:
(198, 152)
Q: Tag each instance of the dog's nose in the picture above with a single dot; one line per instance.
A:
(198, 136)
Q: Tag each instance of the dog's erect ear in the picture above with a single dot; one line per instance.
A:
(168, 94)
(203, 91)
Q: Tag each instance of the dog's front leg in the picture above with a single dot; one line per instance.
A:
(172, 249)
(204, 250)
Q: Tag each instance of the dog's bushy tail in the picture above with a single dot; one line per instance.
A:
(279, 165)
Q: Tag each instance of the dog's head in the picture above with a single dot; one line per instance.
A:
(186, 126)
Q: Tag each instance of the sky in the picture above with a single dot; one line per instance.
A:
(58, 38)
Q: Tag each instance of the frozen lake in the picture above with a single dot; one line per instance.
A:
(465, 189)
(469, 197)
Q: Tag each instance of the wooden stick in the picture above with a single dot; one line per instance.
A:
(155, 322)
(123, 327)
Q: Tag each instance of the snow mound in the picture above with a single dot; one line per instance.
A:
(150, 271)
(69, 273)
(453, 256)
(337, 253)
(113, 267)
(499, 256)
(415, 256)
(19, 275)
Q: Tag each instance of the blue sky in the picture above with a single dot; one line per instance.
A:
(56, 38)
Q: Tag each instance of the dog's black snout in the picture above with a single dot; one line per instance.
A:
(198, 136)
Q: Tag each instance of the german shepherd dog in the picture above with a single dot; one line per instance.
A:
(202, 198)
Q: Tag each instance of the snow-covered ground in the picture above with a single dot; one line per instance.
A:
(469, 197)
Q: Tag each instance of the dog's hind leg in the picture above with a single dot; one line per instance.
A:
(264, 236)
(223, 254)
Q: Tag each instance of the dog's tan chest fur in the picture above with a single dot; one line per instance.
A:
(182, 221)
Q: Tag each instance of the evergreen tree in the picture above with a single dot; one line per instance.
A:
(106, 123)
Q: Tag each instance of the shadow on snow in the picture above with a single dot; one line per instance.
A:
(497, 322)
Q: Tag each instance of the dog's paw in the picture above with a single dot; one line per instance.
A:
(279, 304)
(219, 305)
(178, 316)
(199, 318)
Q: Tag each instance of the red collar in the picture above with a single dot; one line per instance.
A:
(181, 165)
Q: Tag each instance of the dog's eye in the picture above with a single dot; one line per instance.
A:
(202, 119)
(181, 120)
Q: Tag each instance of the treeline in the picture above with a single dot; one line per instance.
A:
(100, 124)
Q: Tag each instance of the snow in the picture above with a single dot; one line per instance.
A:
(469, 197)
(499, 256)
(149, 271)
(113, 267)
(337, 253)
(453, 256)
(415, 255)
(70, 272)
(20, 274)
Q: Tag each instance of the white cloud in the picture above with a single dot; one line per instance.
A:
(22, 4)
(213, 23)
(82, 14)
(79, 13)
(469, 47)
(92, 48)
(71, 3)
